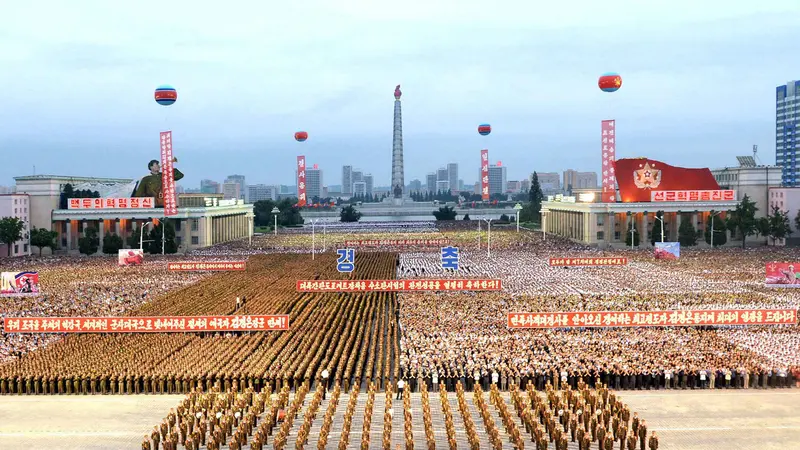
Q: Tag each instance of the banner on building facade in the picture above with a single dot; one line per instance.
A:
(719, 195)
(19, 284)
(667, 250)
(485, 174)
(396, 242)
(608, 143)
(573, 262)
(218, 266)
(639, 177)
(130, 257)
(301, 181)
(165, 324)
(683, 318)
(398, 285)
(168, 175)
(111, 203)
(785, 274)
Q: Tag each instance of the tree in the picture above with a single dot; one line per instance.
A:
(720, 237)
(743, 219)
(66, 193)
(133, 239)
(778, 224)
(466, 217)
(11, 231)
(632, 233)
(112, 244)
(445, 213)
(504, 218)
(655, 235)
(797, 220)
(687, 235)
(90, 243)
(164, 226)
(42, 237)
(349, 214)
(535, 198)
(762, 226)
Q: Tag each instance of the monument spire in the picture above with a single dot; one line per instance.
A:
(398, 180)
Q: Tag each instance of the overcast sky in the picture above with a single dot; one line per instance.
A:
(78, 77)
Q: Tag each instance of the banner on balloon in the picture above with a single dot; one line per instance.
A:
(782, 275)
(682, 318)
(161, 324)
(19, 284)
(485, 174)
(301, 181)
(399, 285)
(608, 140)
(168, 175)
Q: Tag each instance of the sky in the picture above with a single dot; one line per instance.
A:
(78, 78)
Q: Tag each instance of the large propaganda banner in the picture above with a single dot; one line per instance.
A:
(168, 175)
(398, 285)
(396, 242)
(111, 203)
(639, 177)
(301, 181)
(782, 275)
(19, 284)
(608, 144)
(571, 262)
(130, 257)
(683, 318)
(171, 324)
(719, 195)
(485, 174)
(219, 266)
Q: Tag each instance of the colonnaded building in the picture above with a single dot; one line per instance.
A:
(202, 220)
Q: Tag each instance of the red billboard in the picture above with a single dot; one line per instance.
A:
(168, 175)
(485, 174)
(396, 242)
(783, 274)
(398, 285)
(218, 266)
(301, 181)
(638, 177)
(608, 142)
(111, 203)
(683, 318)
(171, 324)
(721, 195)
(572, 262)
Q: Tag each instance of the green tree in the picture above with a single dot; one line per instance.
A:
(742, 220)
(466, 217)
(168, 229)
(89, 243)
(42, 237)
(11, 231)
(762, 226)
(504, 218)
(797, 220)
(632, 233)
(112, 244)
(445, 213)
(779, 227)
(655, 235)
(687, 235)
(720, 236)
(349, 214)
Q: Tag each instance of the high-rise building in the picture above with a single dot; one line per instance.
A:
(579, 180)
(314, 183)
(460, 185)
(358, 175)
(209, 187)
(231, 191)
(347, 180)
(369, 183)
(17, 206)
(359, 189)
(513, 187)
(787, 131)
(415, 185)
(548, 182)
(430, 182)
(442, 186)
(259, 192)
(5, 190)
(441, 174)
(497, 179)
(452, 176)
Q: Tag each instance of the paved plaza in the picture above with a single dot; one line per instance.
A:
(685, 420)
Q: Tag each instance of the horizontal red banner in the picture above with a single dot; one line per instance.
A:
(111, 203)
(722, 195)
(217, 266)
(588, 261)
(683, 318)
(398, 285)
(419, 242)
(166, 324)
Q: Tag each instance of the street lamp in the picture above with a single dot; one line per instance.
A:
(661, 219)
(633, 232)
(141, 235)
(488, 237)
(712, 227)
(313, 238)
(479, 230)
(275, 211)
(517, 208)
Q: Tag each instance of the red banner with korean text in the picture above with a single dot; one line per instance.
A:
(398, 285)
(783, 274)
(396, 242)
(219, 266)
(168, 175)
(485, 174)
(638, 177)
(604, 261)
(683, 318)
(111, 203)
(608, 142)
(165, 324)
(720, 195)
(301, 181)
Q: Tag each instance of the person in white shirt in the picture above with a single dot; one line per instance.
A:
(400, 386)
(495, 377)
(325, 376)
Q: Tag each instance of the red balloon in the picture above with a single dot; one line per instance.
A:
(609, 82)
(301, 136)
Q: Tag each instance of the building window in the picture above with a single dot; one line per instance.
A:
(600, 236)
(195, 240)
(601, 220)
(178, 240)
(194, 224)
(617, 235)
(15, 201)
(178, 225)
(16, 249)
(25, 248)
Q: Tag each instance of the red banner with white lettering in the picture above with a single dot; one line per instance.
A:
(720, 195)
(111, 203)
(168, 175)
(396, 242)
(608, 142)
(557, 262)
(683, 318)
(398, 285)
(171, 324)
(783, 274)
(219, 266)
(301, 181)
(638, 177)
(484, 174)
